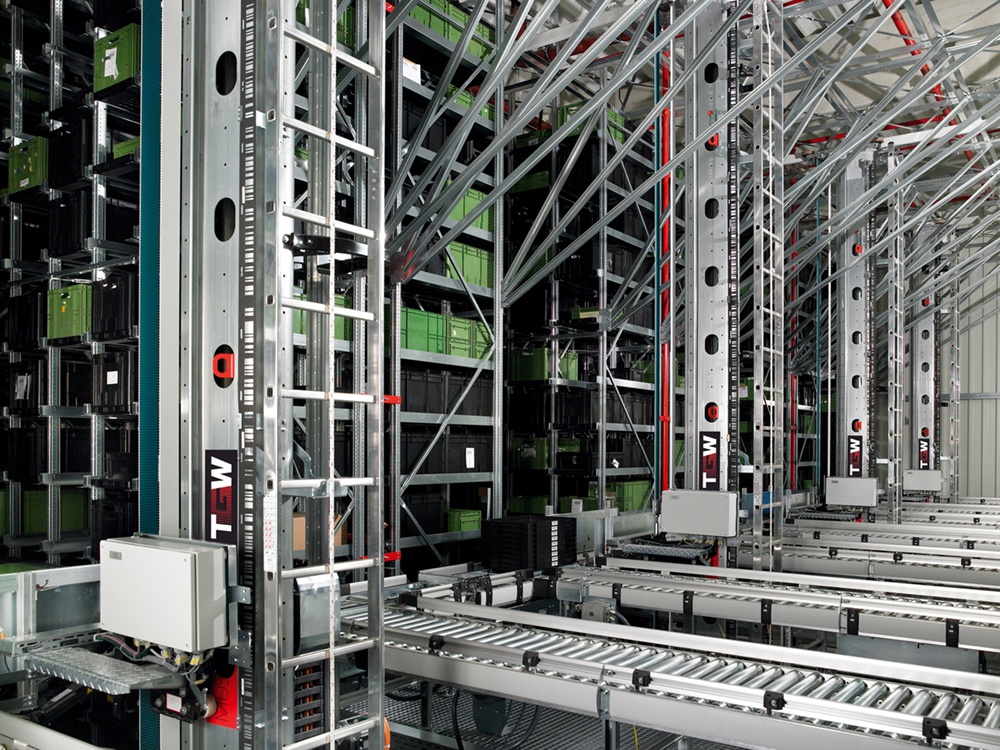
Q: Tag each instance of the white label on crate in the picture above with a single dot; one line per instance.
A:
(614, 461)
(111, 63)
(21, 387)
(112, 377)
(174, 703)
(411, 70)
(470, 458)
(25, 181)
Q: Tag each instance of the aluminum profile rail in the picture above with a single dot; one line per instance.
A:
(966, 618)
(747, 694)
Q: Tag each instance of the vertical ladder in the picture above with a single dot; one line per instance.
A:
(280, 214)
(896, 347)
(766, 37)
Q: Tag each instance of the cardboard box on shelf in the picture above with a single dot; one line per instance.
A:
(299, 533)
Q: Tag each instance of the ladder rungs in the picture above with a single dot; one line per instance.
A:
(302, 484)
(323, 221)
(354, 229)
(320, 46)
(308, 40)
(354, 482)
(353, 398)
(326, 135)
(319, 307)
(322, 654)
(316, 570)
(325, 739)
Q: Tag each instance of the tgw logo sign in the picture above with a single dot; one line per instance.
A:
(220, 520)
(924, 453)
(710, 461)
(854, 455)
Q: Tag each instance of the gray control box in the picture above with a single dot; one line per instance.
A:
(856, 492)
(169, 592)
(921, 480)
(700, 512)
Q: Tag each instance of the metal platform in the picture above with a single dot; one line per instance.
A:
(102, 673)
(554, 730)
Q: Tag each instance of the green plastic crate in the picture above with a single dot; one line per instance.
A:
(483, 340)
(532, 139)
(530, 453)
(460, 340)
(69, 311)
(533, 181)
(126, 147)
(424, 331)
(533, 364)
(585, 313)
(28, 165)
(345, 27)
(463, 520)
(476, 265)
(74, 514)
(630, 494)
(488, 34)
(343, 328)
(645, 366)
(299, 318)
(468, 202)
(535, 505)
(616, 120)
(421, 15)
(116, 57)
(464, 99)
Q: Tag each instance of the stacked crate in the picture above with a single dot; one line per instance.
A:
(554, 398)
(69, 374)
(528, 543)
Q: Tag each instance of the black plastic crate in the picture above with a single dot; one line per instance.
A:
(575, 408)
(76, 383)
(528, 408)
(121, 456)
(413, 115)
(115, 307)
(478, 402)
(469, 451)
(69, 224)
(428, 509)
(412, 447)
(423, 391)
(115, 382)
(76, 446)
(114, 14)
(528, 542)
(26, 453)
(23, 323)
(69, 152)
(27, 386)
(34, 232)
(115, 515)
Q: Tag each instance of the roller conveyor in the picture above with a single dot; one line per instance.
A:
(954, 536)
(918, 613)
(745, 694)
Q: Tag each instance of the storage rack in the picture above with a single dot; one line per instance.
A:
(444, 367)
(580, 353)
(72, 327)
